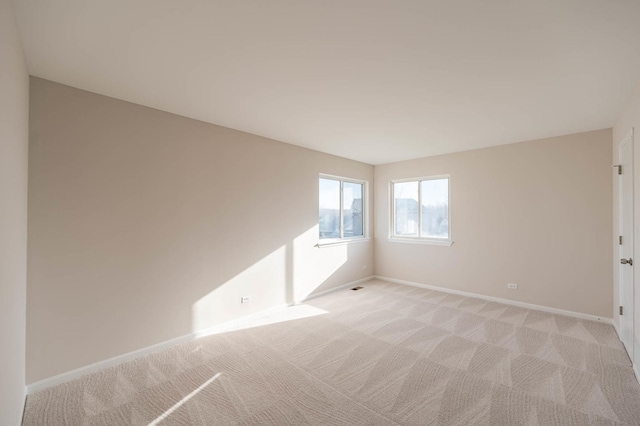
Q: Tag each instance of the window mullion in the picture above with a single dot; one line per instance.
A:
(392, 213)
(419, 209)
(341, 209)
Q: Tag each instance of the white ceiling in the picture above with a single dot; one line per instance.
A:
(376, 81)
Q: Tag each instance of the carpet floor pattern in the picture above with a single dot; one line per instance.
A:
(387, 354)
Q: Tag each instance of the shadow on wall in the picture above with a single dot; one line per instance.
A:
(288, 274)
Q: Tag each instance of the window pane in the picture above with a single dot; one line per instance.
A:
(329, 217)
(352, 205)
(405, 203)
(435, 208)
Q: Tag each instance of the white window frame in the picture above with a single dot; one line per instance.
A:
(419, 239)
(326, 242)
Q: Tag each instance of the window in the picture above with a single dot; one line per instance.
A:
(420, 210)
(341, 209)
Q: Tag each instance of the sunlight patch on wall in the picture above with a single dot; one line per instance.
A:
(313, 266)
(264, 282)
(268, 317)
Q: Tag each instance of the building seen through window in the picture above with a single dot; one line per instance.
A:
(421, 208)
(341, 208)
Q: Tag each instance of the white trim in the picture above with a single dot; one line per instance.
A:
(340, 287)
(365, 208)
(413, 179)
(110, 362)
(336, 177)
(633, 364)
(499, 300)
(24, 404)
(235, 324)
(341, 242)
(426, 241)
(392, 207)
(628, 306)
(617, 330)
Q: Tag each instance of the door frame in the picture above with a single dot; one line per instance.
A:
(629, 305)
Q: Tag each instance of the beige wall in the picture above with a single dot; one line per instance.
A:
(534, 213)
(145, 226)
(630, 118)
(14, 114)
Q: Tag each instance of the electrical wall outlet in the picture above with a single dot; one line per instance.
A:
(245, 299)
(512, 286)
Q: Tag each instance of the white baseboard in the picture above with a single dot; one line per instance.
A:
(615, 327)
(235, 324)
(243, 321)
(636, 358)
(110, 362)
(340, 287)
(24, 404)
(499, 300)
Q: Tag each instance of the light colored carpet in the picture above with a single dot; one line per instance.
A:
(384, 355)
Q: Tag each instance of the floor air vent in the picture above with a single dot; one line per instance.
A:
(357, 288)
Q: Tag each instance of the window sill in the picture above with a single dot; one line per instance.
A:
(427, 241)
(331, 243)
